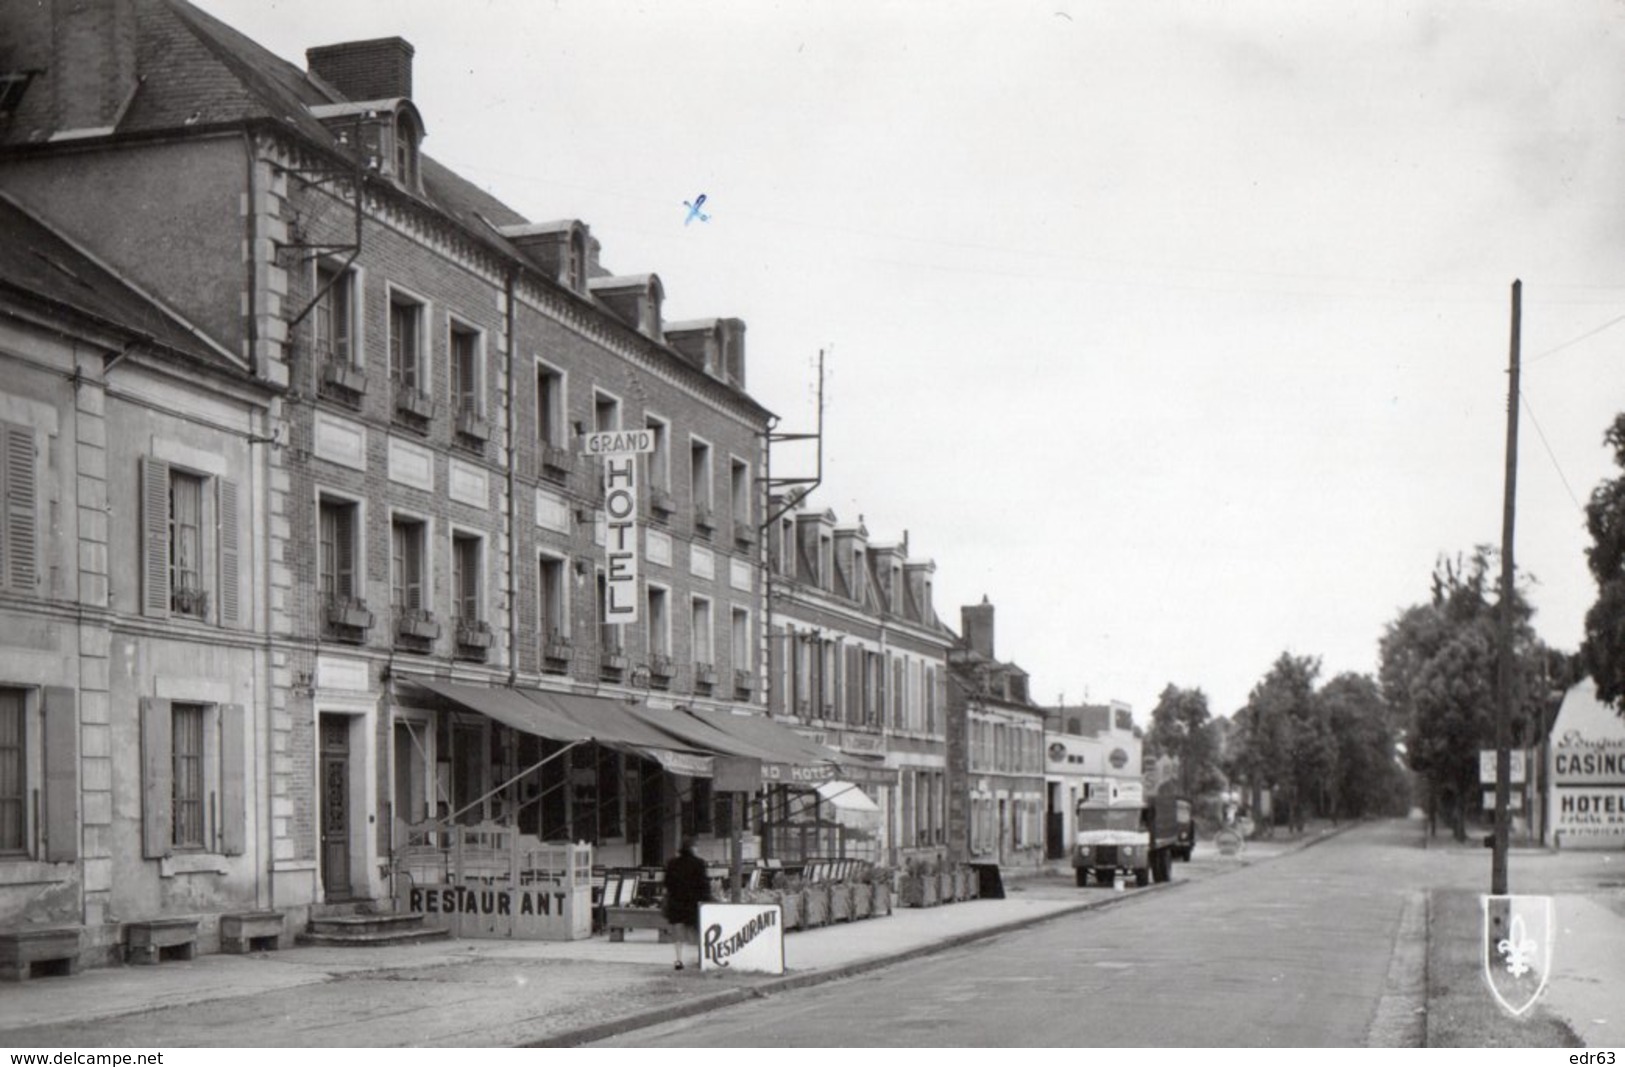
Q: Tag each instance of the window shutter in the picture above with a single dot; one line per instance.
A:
(61, 775)
(233, 791)
(230, 554)
(157, 818)
(154, 537)
(19, 543)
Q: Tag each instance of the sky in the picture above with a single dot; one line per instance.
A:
(1179, 331)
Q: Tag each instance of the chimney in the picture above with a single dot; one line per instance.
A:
(93, 62)
(977, 622)
(379, 69)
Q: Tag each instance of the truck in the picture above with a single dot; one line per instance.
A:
(1119, 831)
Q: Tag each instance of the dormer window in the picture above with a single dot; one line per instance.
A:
(406, 150)
(387, 134)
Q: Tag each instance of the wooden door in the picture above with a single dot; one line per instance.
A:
(335, 813)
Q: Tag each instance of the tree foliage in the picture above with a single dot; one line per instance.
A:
(1366, 779)
(1604, 647)
(1439, 663)
(1283, 741)
(1182, 727)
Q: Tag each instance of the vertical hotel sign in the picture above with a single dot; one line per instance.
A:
(619, 450)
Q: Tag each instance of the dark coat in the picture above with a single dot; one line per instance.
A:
(686, 887)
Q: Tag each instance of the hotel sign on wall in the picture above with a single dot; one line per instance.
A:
(619, 450)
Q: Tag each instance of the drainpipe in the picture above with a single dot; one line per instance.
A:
(510, 419)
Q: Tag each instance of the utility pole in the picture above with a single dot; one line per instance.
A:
(1503, 674)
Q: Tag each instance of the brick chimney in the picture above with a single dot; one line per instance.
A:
(977, 622)
(379, 69)
(93, 71)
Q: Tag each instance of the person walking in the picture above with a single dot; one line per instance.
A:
(687, 886)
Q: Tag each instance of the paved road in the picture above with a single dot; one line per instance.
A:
(1291, 953)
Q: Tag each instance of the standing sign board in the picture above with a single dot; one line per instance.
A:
(742, 937)
(620, 450)
(1486, 767)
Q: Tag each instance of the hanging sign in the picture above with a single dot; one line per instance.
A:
(621, 538)
(742, 937)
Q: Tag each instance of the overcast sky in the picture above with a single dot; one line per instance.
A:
(1177, 330)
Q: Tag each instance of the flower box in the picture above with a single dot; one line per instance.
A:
(920, 890)
(705, 674)
(419, 625)
(557, 649)
(882, 899)
(792, 901)
(349, 614)
(473, 634)
(863, 900)
(660, 500)
(341, 374)
(840, 902)
(471, 423)
(818, 906)
(411, 401)
(661, 666)
(557, 459)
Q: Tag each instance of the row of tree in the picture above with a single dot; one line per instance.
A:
(1342, 750)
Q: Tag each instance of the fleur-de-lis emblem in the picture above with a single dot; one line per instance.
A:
(1518, 948)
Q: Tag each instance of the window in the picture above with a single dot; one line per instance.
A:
(186, 780)
(19, 519)
(704, 650)
(550, 420)
(335, 317)
(465, 578)
(606, 412)
(465, 373)
(190, 544)
(659, 624)
(336, 565)
(407, 567)
(660, 458)
(609, 634)
(739, 630)
(739, 483)
(13, 773)
(699, 479)
(186, 545)
(406, 151)
(192, 778)
(611, 823)
(551, 590)
(826, 562)
(405, 350)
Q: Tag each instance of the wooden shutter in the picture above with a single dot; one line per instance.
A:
(61, 775)
(154, 537)
(230, 553)
(157, 817)
(19, 540)
(233, 779)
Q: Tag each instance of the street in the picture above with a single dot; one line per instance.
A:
(1295, 952)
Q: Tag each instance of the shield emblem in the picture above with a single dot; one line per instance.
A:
(1518, 932)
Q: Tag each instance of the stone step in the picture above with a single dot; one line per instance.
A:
(374, 938)
(366, 924)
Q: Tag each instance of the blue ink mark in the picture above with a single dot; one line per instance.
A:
(694, 211)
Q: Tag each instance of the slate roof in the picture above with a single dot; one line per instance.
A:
(46, 269)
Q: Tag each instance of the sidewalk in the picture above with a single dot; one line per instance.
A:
(496, 993)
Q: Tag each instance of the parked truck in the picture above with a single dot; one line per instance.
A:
(1118, 831)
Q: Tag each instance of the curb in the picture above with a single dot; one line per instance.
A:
(714, 1001)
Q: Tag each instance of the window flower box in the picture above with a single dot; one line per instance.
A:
(473, 634)
(612, 660)
(817, 899)
(343, 375)
(192, 602)
(744, 681)
(471, 423)
(703, 517)
(840, 902)
(661, 666)
(558, 648)
(409, 400)
(558, 460)
(350, 613)
(417, 624)
(705, 674)
(660, 500)
(863, 900)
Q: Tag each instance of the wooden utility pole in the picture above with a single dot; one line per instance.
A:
(1503, 675)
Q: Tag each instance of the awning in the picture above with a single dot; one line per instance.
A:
(509, 708)
(847, 796)
(789, 759)
(611, 722)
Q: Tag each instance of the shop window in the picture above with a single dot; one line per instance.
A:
(19, 509)
(611, 777)
(193, 786)
(190, 544)
(699, 809)
(584, 794)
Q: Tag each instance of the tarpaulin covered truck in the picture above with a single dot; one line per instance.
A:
(1118, 831)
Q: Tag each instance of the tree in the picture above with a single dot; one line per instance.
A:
(1367, 778)
(1182, 727)
(1438, 671)
(1282, 741)
(1604, 647)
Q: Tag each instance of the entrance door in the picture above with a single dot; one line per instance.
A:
(335, 813)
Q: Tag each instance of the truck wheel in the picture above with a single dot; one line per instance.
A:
(1142, 877)
(1082, 875)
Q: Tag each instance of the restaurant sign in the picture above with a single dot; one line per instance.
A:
(742, 937)
(539, 913)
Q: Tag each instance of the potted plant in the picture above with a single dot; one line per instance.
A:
(863, 900)
(922, 885)
(817, 900)
(880, 882)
